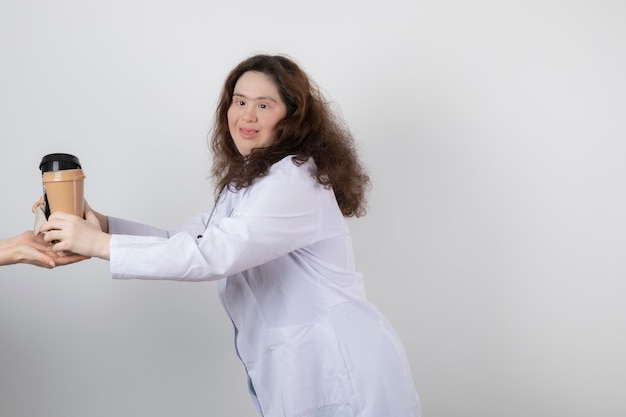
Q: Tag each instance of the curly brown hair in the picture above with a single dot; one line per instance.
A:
(310, 130)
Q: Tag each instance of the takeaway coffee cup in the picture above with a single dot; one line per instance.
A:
(63, 184)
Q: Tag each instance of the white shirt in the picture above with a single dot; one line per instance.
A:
(311, 343)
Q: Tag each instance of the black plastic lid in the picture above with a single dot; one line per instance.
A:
(59, 161)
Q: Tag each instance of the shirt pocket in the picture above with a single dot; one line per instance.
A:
(312, 373)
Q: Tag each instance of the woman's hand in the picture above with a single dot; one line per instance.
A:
(104, 220)
(70, 233)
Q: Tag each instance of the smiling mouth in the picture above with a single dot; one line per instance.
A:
(248, 133)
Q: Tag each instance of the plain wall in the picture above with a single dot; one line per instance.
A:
(495, 137)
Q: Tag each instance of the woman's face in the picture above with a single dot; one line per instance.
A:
(255, 110)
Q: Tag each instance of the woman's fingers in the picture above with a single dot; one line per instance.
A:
(66, 258)
(56, 230)
(70, 233)
(40, 202)
(56, 221)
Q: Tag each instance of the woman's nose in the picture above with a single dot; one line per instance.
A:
(249, 114)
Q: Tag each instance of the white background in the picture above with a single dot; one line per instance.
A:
(495, 136)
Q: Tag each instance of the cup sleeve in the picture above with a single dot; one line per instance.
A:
(40, 219)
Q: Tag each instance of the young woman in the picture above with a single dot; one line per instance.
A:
(287, 174)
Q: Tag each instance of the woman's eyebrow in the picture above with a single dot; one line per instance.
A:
(260, 98)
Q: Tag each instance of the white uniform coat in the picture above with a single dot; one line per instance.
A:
(311, 343)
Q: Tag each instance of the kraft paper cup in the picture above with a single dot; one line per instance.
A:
(65, 191)
(56, 162)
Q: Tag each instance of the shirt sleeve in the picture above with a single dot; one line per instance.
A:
(276, 215)
(119, 226)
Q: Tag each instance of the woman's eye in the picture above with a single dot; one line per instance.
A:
(263, 106)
